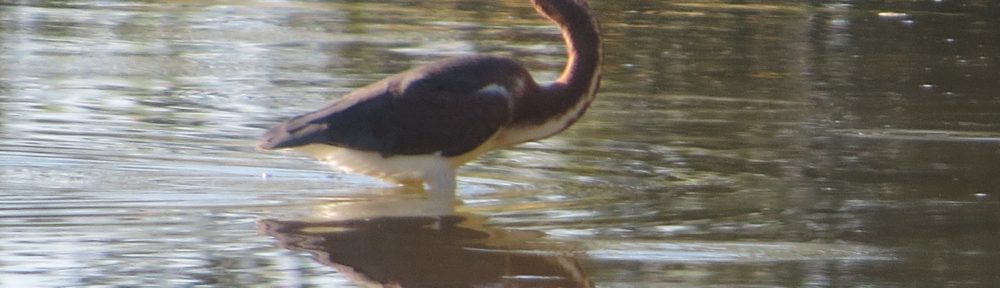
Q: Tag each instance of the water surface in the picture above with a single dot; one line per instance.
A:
(734, 143)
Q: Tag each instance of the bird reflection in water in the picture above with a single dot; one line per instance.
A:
(455, 250)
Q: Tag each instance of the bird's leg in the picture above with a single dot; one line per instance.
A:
(441, 182)
(441, 191)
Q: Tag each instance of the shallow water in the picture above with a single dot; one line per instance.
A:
(755, 144)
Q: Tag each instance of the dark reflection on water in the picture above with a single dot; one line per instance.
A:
(428, 252)
(734, 143)
(456, 248)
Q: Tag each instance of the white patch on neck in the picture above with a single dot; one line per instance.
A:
(516, 135)
(494, 88)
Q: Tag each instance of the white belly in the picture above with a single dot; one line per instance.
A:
(403, 169)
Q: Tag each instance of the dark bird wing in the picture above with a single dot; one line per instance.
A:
(442, 107)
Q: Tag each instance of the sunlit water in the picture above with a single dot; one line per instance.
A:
(828, 144)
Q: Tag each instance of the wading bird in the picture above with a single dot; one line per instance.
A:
(419, 126)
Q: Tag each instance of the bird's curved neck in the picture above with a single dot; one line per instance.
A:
(583, 47)
(560, 103)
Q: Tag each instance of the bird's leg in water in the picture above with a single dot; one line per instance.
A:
(441, 183)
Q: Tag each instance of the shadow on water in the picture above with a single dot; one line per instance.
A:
(408, 240)
(445, 251)
(411, 241)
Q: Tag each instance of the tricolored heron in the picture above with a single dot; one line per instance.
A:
(419, 126)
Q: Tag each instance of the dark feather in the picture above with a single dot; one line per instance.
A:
(434, 108)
